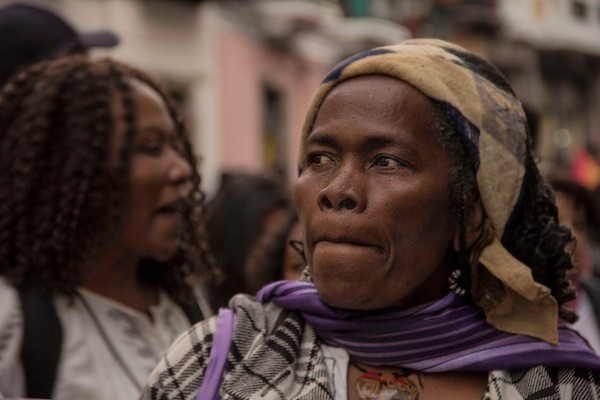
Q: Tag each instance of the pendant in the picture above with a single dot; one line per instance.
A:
(375, 386)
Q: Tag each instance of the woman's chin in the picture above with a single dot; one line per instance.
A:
(165, 253)
(343, 295)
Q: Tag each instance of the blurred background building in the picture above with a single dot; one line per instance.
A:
(245, 69)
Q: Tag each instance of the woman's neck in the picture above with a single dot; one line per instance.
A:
(113, 274)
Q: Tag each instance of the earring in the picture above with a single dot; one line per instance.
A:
(453, 283)
(306, 275)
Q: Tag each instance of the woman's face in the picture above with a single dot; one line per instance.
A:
(374, 197)
(152, 214)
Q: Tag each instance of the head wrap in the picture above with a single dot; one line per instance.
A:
(474, 95)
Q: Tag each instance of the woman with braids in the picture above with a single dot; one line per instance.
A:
(101, 229)
(436, 265)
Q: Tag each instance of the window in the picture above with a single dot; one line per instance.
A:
(274, 154)
(579, 9)
(357, 8)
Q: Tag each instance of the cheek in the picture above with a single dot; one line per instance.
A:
(421, 220)
(141, 203)
(305, 195)
(144, 182)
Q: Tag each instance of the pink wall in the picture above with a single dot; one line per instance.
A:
(244, 64)
(240, 110)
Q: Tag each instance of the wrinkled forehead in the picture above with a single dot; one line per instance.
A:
(471, 93)
(385, 106)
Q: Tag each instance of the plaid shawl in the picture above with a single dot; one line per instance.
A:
(276, 355)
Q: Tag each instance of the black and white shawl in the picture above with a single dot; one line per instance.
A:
(275, 355)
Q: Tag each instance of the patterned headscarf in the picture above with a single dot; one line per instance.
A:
(474, 95)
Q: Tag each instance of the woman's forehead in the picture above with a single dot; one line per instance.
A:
(382, 104)
(374, 87)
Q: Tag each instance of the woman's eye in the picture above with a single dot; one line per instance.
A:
(149, 149)
(385, 161)
(317, 159)
(178, 146)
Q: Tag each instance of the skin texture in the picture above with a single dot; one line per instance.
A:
(373, 197)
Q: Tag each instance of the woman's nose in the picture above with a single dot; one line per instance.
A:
(180, 169)
(347, 203)
(343, 192)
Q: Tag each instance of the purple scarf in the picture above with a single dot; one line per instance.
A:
(445, 335)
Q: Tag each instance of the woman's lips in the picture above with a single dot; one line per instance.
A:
(173, 207)
(343, 234)
(343, 240)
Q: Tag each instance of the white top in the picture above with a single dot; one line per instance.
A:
(337, 360)
(87, 369)
(587, 324)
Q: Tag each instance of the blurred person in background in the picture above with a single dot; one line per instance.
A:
(30, 33)
(585, 170)
(101, 225)
(294, 259)
(576, 210)
(284, 256)
(243, 217)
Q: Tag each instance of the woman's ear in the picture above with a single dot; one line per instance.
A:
(475, 216)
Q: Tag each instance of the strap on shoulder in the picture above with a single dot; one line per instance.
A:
(213, 376)
(192, 312)
(42, 338)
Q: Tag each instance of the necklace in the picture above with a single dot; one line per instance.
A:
(377, 386)
(115, 354)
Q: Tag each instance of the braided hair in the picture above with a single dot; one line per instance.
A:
(57, 188)
(534, 235)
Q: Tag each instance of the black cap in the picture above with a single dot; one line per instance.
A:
(30, 33)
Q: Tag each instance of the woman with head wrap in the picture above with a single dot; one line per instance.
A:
(436, 265)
